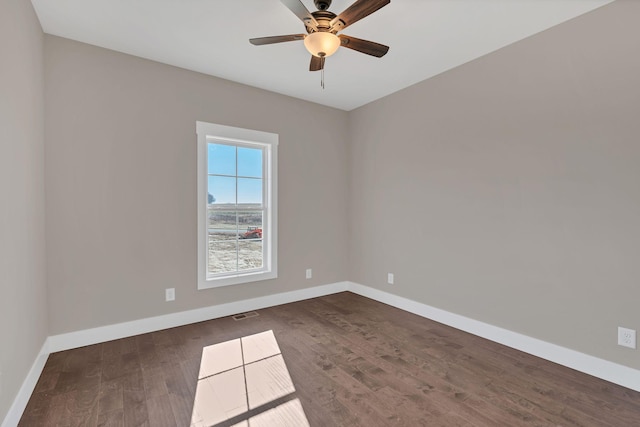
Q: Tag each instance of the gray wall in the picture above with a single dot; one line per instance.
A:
(23, 310)
(121, 181)
(506, 190)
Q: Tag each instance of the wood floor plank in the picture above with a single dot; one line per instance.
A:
(352, 361)
(134, 399)
(160, 412)
(180, 398)
(113, 418)
(57, 413)
(155, 383)
(111, 396)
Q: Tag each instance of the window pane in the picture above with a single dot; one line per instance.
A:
(223, 256)
(250, 191)
(222, 224)
(250, 219)
(250, 162)
(222, 190)
(222, 159)
(249, 254)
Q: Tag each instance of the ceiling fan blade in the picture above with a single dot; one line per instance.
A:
(301, 12)
(276, 39)
(365, 46)
(356, 12)
(317, 63)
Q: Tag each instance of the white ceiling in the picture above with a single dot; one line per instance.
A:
(426, 38)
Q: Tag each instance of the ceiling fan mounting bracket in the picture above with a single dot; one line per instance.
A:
(322, 4)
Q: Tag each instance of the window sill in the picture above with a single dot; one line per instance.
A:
(236, 279)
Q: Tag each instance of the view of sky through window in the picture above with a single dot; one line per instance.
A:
(235, 174)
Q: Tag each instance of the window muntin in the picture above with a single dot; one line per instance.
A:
(237, 205)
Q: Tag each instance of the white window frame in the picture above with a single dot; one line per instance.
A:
(210, 132)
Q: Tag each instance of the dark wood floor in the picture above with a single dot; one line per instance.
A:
(353, 362)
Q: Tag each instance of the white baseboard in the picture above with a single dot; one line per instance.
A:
(20, 402)
(136, 327)
(600, 368)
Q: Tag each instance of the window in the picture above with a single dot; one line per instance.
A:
(237, 222)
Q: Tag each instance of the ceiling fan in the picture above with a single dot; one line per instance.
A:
(322, 27)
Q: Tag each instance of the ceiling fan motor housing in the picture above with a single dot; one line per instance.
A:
(323, 19)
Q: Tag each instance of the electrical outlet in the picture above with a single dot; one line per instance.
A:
(627, 337)
(390, 278)
(309, 273)
(170, 294)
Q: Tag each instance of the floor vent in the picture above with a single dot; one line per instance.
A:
(242, 316)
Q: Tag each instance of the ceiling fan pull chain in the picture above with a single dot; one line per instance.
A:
(322, 72)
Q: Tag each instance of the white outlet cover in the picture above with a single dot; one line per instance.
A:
(627, 337)
(309, 273)
(390, 278)
(170, 294)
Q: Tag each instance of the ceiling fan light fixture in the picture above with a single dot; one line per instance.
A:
(322, 44)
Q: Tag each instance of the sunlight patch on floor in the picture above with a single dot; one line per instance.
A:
(246, 380)
(288, 414)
